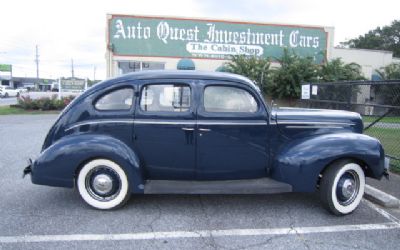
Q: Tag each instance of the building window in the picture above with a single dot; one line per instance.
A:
(125, 67)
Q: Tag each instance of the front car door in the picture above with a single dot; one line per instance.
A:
(164, 129)
(232, 138)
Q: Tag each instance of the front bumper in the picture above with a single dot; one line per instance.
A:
(386, 167)
(28, 169)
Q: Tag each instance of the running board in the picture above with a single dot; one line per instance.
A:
(248, 186)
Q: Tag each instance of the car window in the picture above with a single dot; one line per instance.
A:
(228, 99)
(165, 97)
(120, 99)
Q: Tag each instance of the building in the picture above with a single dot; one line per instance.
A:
(26, 82)
(149, 42)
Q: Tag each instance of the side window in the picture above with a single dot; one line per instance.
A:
(165, 97)
(120, 99)
(228, 99)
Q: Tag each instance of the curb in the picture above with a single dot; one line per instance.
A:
(381, 198)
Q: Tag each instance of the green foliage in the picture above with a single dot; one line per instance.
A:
(336, 70)
(390, 72)
(389, 94)
(385, 38)
(285, 80)
(255, 68)
(44, 103)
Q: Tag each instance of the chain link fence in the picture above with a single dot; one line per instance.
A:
(377, 101)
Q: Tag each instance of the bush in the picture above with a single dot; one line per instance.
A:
(44, 103)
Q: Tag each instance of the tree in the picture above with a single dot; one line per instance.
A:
(390, 72)
(385, 38)
(285, 80)
(389, 94)
(336, 70)
(255, 68)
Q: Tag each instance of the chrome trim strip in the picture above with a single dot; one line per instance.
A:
(314, 126)
(171, 122)
(316, 123)
(207, 122)
(98, 122)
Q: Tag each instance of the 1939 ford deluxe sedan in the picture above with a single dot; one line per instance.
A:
(188, 132)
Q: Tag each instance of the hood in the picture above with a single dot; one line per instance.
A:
(323, 120)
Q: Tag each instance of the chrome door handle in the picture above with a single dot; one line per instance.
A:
(205, 129)
(188, 129)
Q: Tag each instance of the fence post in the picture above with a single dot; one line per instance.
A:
(350, 97)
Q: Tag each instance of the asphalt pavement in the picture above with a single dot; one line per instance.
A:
(41, 217)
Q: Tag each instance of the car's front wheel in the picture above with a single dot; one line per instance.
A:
(342, 187)
(103, 184)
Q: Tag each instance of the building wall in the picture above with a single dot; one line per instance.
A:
(370, 60)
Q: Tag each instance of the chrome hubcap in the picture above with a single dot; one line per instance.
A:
(348, 187)
(102, 184)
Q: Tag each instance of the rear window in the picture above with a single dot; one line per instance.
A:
(121, 99)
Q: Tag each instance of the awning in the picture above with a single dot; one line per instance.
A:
(185, 64)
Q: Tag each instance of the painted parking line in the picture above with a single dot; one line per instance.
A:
(197, 234)
(393, 224)
(381, 211)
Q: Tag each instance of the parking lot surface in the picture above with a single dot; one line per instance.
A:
(40, 217)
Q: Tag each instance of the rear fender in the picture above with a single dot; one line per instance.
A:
(59, 163)
(299, 162)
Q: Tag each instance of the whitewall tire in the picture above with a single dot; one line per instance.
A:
(103, 184)
(342, 187)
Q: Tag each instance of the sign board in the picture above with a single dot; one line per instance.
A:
(72, 84)
(5, 67)
(305, 91)
(216, 39)
(314, 90)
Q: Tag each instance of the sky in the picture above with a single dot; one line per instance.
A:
(72, 29)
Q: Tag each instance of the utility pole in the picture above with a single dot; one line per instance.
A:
(72, 68)
(94, 73)
(37, 67)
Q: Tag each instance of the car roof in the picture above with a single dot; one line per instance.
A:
(177, 74)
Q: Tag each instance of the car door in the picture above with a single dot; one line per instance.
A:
(164, 129)
(232, 138)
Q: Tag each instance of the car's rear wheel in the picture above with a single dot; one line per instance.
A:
(342, 187)
(103, 184)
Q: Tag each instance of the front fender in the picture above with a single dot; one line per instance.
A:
(299, 162)
(57, 165)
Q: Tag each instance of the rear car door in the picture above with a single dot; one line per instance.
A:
(232, 138)
(164, 129)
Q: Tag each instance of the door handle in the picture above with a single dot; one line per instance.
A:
(204, 129)
(188, 129)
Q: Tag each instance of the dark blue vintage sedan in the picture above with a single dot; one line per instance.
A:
(188, 132)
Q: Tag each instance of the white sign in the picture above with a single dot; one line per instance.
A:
(314, 90)
(305, 91)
